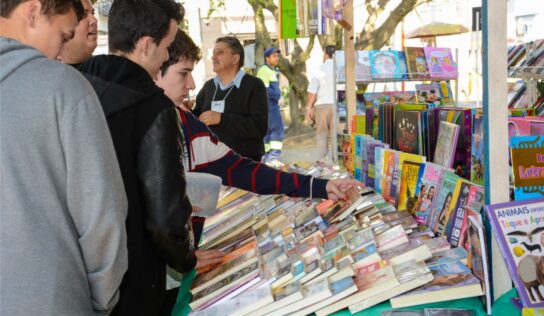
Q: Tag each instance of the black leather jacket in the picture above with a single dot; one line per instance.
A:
(148, 140)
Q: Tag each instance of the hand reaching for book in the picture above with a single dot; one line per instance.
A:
(343, 189)
(208, 257)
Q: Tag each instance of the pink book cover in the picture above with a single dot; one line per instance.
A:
(440, 63)
(518, 126)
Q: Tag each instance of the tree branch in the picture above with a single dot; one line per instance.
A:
(378, 37)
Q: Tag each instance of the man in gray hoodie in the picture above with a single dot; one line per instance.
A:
(62, 201)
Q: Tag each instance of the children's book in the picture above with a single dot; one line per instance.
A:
(446, 144)
(403, 65)
(519, 230)
(428, 93)
(527, 154)
(416, 62)
(440, 63)
(477, 156)
(411, 174)
(478, 262)
(385, 64)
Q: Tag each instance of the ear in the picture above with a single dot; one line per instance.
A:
(236, 59)
(33, 10)
(143, 45)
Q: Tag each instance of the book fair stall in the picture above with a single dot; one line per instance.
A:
(447, 223)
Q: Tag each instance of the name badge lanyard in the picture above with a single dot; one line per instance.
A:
(219, 106)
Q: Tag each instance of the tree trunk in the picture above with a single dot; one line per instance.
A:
(294, 70)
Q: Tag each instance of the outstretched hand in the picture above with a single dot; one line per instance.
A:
(208, 257)
(343, 189)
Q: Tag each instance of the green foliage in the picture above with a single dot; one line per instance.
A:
(540, 87)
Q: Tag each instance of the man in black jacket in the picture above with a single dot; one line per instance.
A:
(147, 138)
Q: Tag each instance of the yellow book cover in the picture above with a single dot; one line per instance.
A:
(411, 173)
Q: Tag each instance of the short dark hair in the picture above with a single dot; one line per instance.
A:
(49, 7)
(329, 50)
(130, 20)
(181, 48)
(236, 47)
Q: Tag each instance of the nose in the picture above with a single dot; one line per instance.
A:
(190, 82)
(92, 19)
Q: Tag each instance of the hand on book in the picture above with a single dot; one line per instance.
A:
(343, 189)
(208, 257)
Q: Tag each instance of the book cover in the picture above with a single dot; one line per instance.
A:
(527, 154)
(400, 159)
(446, 144)
(391, 238)
(442, 204)
(478, 262)
(410, 274)
(440, 63)
(463, 118)
(519, 230)
(221, 288)
(457, 214)
(428, 93)
(447, 256)
(368, 285)
(389, 157)
(403, 65)
(345, 154)
(357, 157)
(416, 62)
(312, 293)
(410, 176)
(451, 281)
(362, 67)
(340, 289)
(427, 190)
(385, 64)
(477, 157)
(407, 131)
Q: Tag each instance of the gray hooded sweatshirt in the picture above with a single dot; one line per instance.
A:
(62, 201)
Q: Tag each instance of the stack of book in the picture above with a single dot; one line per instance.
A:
(296, 257)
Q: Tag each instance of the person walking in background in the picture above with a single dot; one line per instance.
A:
(63, 206)
(268, 73)
(321, 96)
(233, 104)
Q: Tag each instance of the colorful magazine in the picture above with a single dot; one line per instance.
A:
(527, 154)
(519, 230)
